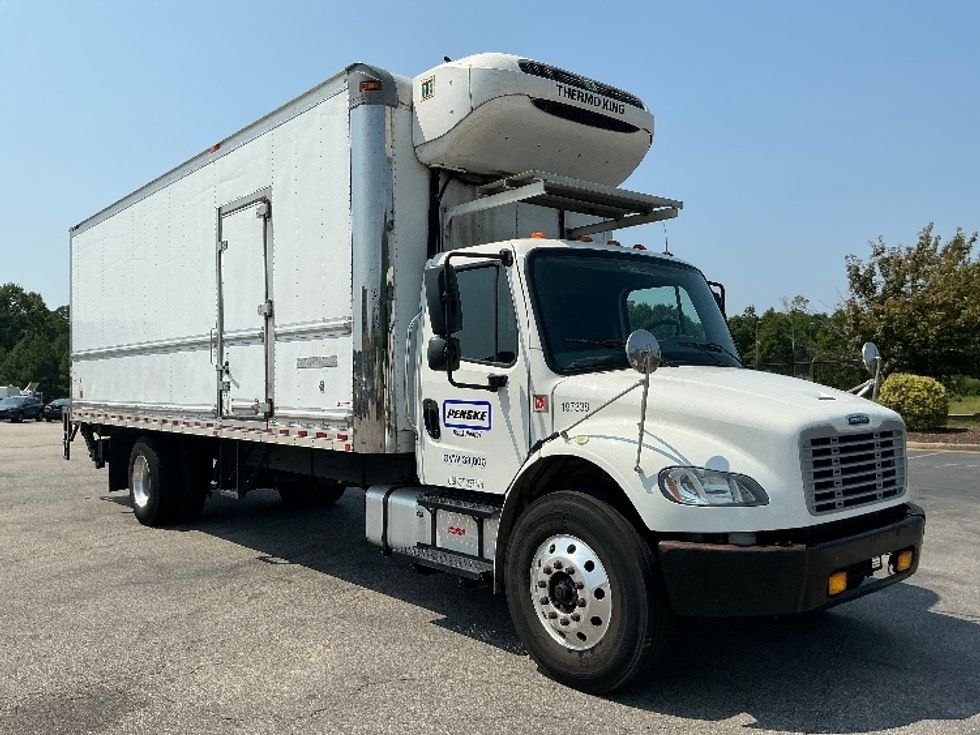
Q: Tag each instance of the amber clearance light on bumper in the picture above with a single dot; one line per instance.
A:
(903, 560)
(836, 583)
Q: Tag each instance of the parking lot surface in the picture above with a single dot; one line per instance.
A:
(258, 619)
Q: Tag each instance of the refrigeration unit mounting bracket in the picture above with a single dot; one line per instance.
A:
(620, 208)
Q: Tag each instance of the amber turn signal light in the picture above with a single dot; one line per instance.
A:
(836, 583)
(903, 560)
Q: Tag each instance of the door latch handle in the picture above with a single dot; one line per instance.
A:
(430, 418)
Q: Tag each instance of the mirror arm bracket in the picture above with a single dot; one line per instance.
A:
(494, 383)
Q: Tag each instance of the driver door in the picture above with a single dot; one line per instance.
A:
(472, 438)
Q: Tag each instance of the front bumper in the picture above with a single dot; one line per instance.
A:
(728, 580)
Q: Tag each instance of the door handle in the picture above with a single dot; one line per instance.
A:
(430, 418)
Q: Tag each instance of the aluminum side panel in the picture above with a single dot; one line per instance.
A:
(311, 265)
(144, 280)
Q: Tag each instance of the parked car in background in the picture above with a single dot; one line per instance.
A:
(18, 408)
(55, 409)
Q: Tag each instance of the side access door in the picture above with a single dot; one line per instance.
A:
(470, 437)
(245, 318)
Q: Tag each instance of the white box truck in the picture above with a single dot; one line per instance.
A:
(410, 286)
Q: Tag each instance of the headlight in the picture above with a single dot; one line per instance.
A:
(700, 486)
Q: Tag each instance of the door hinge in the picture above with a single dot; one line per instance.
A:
(264, 210)
(265, 308)
(222, 246)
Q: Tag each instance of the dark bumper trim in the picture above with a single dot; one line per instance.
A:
(727, 580)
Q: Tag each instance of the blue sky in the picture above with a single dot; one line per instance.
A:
(793, 132)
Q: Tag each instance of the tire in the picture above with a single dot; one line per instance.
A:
(17, 419)
(573, 544)
(296, 494)
(154, 483)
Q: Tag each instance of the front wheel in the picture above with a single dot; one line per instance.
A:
(584, 593)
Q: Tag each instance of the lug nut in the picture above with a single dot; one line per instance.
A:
(547, 570)
(581, 602)
(579, 585)
(558, 565)
(576, 617)
(563, 621)
(542, 583)
(570, 570)
(544, 600)
(552, 615)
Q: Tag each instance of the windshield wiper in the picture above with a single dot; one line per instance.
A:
(664, 362)
(599, 342)
(712, 347)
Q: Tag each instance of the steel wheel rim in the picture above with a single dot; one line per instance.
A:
(140, 481)
(570, 592)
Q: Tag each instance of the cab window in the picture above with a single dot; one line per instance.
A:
(489, 333)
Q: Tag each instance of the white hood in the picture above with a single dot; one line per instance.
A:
(726, 419)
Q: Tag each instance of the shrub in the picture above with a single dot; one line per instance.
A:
(921, 401)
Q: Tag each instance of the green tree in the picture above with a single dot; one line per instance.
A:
(34, 342)
(743, 329)
(20, 312)
(919, 303)
(796, 341)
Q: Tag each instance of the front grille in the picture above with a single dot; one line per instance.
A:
(842, 471)
(536, 68)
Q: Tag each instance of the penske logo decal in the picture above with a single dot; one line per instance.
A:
(472, 415)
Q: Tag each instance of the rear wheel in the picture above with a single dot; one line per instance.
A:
(584, 593)
(154, 486)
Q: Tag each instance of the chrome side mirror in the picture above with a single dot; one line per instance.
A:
(871, 356)
(643, 351)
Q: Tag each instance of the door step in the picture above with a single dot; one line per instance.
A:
(474, 509)
(445, 561)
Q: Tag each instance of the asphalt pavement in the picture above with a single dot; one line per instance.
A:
(259, 619)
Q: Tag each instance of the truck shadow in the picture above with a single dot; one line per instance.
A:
(880, 662)
(883, 661)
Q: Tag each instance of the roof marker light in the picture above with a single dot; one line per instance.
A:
(537, 236)
(371, 85)
(215, 148)
(639, 246)
(585, 238)
(614, 243)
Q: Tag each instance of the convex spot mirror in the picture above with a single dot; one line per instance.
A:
(442, 299)
(443, 353)
(643, 351)
(871, 356)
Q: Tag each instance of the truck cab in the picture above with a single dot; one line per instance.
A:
(734, 492)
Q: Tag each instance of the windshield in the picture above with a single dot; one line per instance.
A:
(588, 302)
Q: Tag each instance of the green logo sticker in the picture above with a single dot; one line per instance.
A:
(428, 87)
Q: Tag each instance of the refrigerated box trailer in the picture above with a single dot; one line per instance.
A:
(411, 286)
